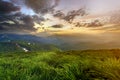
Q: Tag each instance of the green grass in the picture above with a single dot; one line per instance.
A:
(68, 65)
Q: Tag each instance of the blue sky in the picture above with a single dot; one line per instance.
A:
(27, 10)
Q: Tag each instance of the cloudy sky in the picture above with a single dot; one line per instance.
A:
(95, 6)
(24, 10)
(27, 15)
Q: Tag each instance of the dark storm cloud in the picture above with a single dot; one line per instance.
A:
(10, 11)
(42, 6)
(17, 21)
(7, 7)
(11, 17)
(38, 5)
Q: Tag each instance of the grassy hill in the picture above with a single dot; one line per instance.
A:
(68, 65)
(25, 46)
(25, 43)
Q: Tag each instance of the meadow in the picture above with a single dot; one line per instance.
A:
(61, 65)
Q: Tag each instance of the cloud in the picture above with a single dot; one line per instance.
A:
(7, 7)
(11, 17)
(115, 18)
(42, 6)
(58, 26)
(71, 15)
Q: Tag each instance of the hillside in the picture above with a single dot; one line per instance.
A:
(24, 43)
(68, 65)
(22, 46)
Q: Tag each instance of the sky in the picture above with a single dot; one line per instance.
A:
(94, 6)
(36, 18)
(91, 7)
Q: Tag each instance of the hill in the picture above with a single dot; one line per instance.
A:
(68, 65)
(24, 43)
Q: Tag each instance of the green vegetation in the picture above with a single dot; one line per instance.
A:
(17, 46)
(68, 65)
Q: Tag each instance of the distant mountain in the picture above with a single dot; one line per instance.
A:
(25, 43)
(31, 38)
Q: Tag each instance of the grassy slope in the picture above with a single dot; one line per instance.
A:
(69, 65)
(17, 46)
